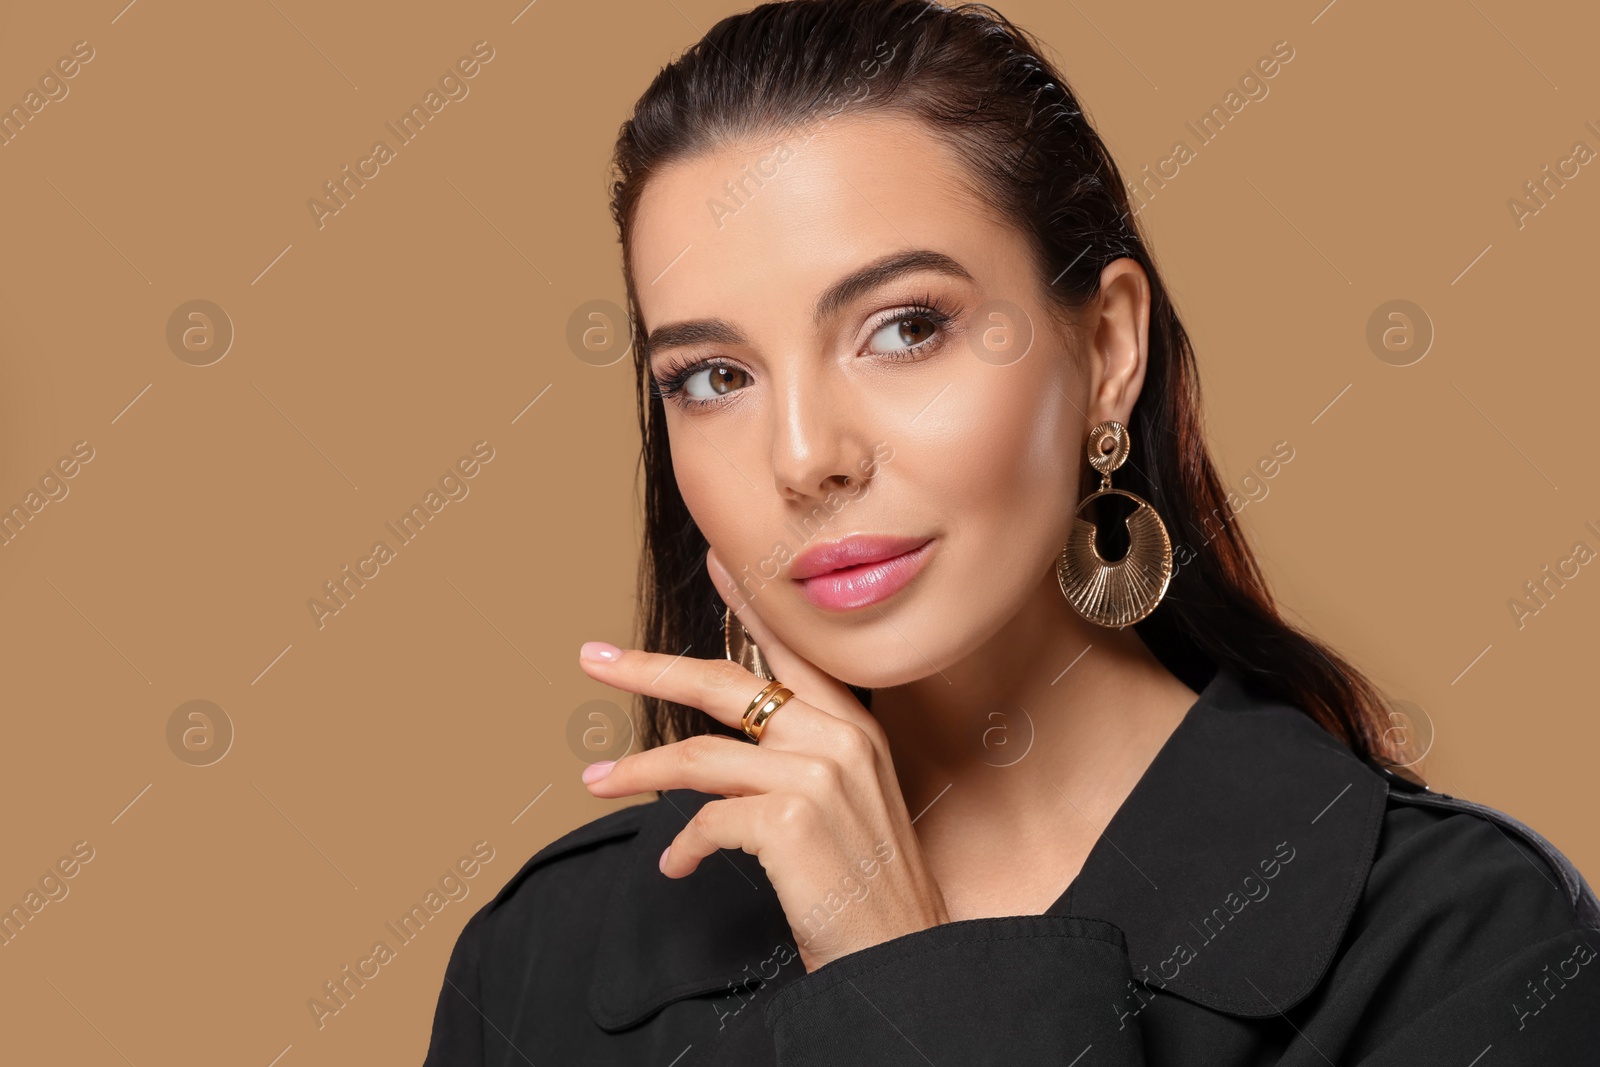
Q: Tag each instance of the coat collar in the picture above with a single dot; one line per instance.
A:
(1232, 868)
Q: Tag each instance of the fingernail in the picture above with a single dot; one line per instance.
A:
(599, 650)
(662, 862)
(596, 771)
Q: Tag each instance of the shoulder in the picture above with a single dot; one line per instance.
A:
(1436, 860)
(573, 868)
(1462, 906)
(1441, 850)
(545, 911)
(1459, 894)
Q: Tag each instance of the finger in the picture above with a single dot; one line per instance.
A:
(719, 687)
(820, 688)
(711, 764)
(738, 823)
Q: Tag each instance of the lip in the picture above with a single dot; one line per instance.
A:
(859, 571)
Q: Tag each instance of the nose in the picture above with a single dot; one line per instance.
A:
(819, 440)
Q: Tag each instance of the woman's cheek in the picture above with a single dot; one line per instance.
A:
(1006, 446)
(711, 490)
(1017, 481)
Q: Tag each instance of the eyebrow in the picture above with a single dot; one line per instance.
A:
(858, 282)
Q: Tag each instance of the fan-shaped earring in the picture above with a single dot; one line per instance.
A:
(1121, 593)
(740, 647)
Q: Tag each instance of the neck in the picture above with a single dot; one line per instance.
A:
(1051, 705)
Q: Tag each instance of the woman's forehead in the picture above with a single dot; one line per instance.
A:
(781, 217)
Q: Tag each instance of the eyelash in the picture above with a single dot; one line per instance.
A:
(676, 374)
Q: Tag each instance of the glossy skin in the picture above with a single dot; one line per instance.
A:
(964, 439)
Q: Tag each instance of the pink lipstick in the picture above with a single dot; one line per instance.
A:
(860, 570)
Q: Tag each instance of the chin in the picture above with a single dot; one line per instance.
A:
(870, 667)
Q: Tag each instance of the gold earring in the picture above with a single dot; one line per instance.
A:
(1121, 593)
(748, 654)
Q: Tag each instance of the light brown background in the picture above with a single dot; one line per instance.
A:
(372, 353)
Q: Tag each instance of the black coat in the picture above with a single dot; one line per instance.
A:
(1261, 897)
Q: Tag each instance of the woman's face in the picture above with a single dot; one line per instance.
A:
(937, 401)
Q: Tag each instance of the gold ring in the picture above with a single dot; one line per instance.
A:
(769, 700)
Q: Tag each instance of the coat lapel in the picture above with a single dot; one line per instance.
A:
(1234, 865)
(1232, 868)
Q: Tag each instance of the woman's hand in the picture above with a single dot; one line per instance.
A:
(816, 801)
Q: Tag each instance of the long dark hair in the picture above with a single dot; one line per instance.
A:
(982, 83)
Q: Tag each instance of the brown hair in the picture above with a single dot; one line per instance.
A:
(983, 84)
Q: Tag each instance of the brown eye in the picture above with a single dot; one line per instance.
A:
(907, 331)
(914, 330)
(713, 381)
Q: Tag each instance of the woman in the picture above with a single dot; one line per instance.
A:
(1008, 802)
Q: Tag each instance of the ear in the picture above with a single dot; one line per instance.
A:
(1118, 333)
